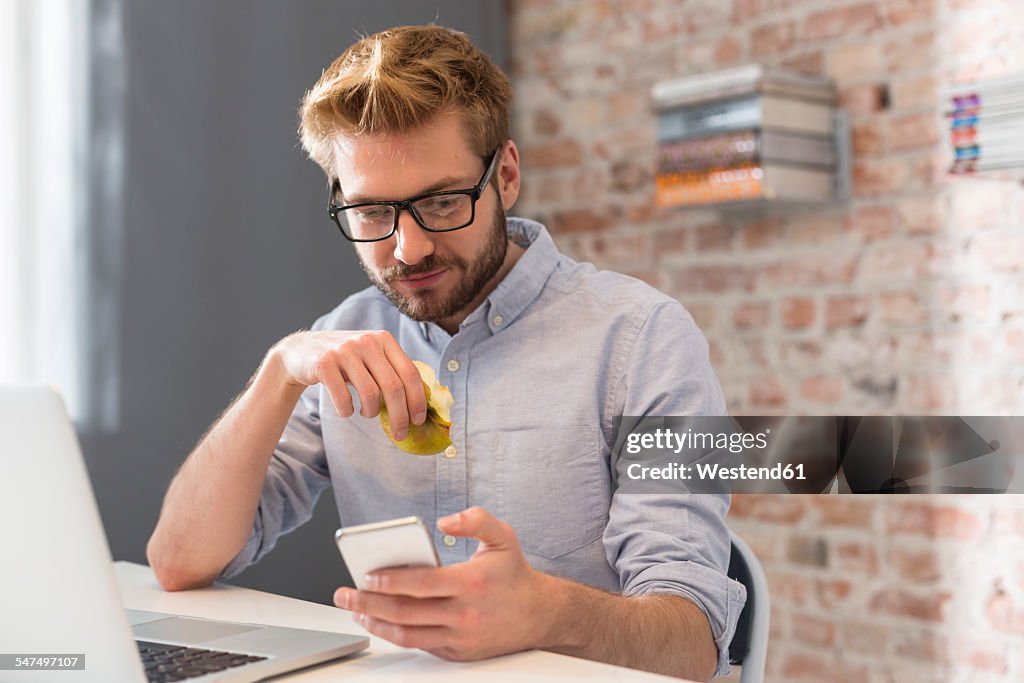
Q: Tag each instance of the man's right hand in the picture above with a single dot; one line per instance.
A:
(372, 362)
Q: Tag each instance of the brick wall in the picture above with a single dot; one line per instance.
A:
(907, 300)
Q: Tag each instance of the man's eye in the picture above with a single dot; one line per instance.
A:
(439, 204)
(373, 214)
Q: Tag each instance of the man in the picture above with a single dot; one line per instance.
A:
(541, 354)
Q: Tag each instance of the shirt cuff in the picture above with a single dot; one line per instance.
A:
(720, 598)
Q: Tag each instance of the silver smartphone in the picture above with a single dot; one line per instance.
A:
(403, 542)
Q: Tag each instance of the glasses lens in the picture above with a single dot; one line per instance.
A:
(445, 212)
(367, 222)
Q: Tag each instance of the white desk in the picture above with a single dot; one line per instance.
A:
(381, 662)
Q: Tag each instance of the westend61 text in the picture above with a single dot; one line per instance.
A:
(711, 471)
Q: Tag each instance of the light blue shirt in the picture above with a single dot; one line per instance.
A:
(539, 372)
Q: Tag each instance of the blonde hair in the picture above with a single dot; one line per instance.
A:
(402, 78)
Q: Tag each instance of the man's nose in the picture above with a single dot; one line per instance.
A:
(413, 243)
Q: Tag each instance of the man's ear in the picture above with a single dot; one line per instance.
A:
(508, 175)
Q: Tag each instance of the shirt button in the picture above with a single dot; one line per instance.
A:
(498, 320)
(448, 540)
(453, 365)
(450, 452)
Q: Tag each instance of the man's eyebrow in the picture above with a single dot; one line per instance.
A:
(446, 183)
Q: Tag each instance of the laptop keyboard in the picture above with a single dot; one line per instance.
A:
(177, 663)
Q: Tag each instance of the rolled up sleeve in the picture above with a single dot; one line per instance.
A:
(675, 544)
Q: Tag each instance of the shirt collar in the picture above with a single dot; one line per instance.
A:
(524, 282)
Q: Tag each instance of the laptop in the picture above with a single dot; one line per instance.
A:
(59, 595)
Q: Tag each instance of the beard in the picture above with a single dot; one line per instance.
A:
(427, 305)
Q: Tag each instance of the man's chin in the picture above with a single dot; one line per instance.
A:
(423, 305)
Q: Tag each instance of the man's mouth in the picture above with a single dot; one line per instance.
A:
(420, 280)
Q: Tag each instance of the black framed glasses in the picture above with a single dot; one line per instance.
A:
(434, 211)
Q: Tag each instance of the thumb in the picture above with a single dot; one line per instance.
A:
(478, 523)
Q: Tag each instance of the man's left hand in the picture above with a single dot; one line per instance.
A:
(494, 603)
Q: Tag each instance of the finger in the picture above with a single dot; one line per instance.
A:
(393, 390)
(398, 609)
(478, 523)
(358, 376)
(418, 582)
(329, 375)
(422, 637)
(415, 397)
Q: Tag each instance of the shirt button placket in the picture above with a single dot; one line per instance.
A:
(452, 484)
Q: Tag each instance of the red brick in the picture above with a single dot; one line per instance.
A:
(767, 391)
(752, 314)
(906, 54)
(714, 279)
(707, 14)
(875, 177)
(900, 12)
(924, 644)
(822, 389)
(717, 237)
(913, 131)
(574, 220)
(546, 123)
(556, 154)
(1004, 614)
(808, 63)
(764, 233)
(846, 311)
(814, 228)
(797, 312)
(771, 508)
(839, 512)
(867, 138)
(813, 630)
(987, 657)
(918, 91)
(789, 589)
(854, 556)
(927, 214)
(900, 308)
(865, 637)
(896, 261)
(833, 593)
(898, 602)
(872, 222)
(920, 565)
(728, 50)
(823, 269)
(821, 668)
(671, 241)
(859, 61)
(772, 38)
(930, 395)
(629, 176)
(933, 521)
(844, 21)
(863, 98)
